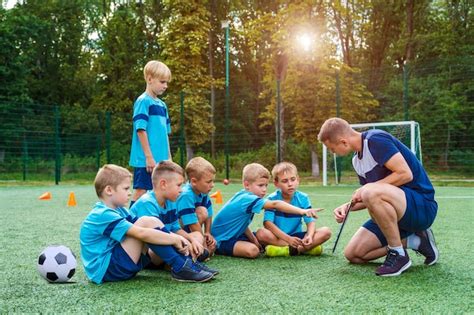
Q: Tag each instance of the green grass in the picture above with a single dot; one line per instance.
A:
(326, 284)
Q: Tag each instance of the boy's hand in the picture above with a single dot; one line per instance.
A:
(182, 245)
(210, 240)
(312, 212)
(307, 239)
(294, 241)
(150, 164)
(196, 248)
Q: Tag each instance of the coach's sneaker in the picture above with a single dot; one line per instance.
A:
(394, 264)
(315, 251)
(204, 256)
(428, 246)
(191, 273)
(204, 267)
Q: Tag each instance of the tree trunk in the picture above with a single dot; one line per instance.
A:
(189, 152)
(314, 162)
(211, 73)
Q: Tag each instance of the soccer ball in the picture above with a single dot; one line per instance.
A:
(57, 263)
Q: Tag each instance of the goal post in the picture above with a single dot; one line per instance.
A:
(408, 132)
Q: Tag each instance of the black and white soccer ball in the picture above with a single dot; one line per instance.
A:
(57, 263)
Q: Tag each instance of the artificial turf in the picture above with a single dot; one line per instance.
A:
(325, 284)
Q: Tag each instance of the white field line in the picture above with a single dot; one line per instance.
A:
(346, 196)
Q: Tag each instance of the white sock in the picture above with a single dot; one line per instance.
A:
(413, 241)
(398, 249)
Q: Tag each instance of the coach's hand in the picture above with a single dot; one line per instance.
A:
(340, 212)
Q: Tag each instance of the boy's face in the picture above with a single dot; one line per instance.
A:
(258, 187)
(119, 196)
(203, 185)
(288, 183)
(157, 85)
(340, 147)
(172, 187)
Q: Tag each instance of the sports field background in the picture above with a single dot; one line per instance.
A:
(267, 285)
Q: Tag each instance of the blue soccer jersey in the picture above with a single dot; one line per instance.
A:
(378, 147)
(236, 215)
(147, 205)
(100, 232)
(151, 115)
(187, 203)
(289, 223)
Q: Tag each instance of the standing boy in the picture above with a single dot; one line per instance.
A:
(396, 191)
(116, 245)
(151, 127)
(282, 232)
(231, 225)
(160, 203)
(194, 205)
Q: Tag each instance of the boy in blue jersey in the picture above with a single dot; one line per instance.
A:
(151, 127)
(231, 225)
(194, 205)
(159, 203)
(282, 233)
(116, 245)
(396, 192)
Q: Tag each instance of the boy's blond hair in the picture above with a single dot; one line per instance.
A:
(110, 175)
(166, 169)
(332, 129)
(282, 168)
(157, 69)
(253, 172)
(199, 166)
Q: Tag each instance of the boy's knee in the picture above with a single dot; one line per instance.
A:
(252, 251)
(149, 222)
(262, 235)
(202, 214)
(325, 233)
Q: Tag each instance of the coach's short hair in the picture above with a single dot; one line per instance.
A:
(165, 169)
(282, 168)
(157, 69)
(334, 128)
(254, 171)
(110, 175)
(199, 166)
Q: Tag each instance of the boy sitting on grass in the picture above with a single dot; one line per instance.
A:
(116, 245)
(194, 205)
(282, 232)
(167, 178)
(231, 224)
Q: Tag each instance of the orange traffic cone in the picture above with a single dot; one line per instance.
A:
(45, 196)
(72, 200)
(217, 196)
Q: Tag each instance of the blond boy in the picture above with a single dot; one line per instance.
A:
(231, 225)
(116, 245)
(151, 127)
(282, 233)
(194, 204)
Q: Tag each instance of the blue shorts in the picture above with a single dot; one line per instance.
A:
(121, 266)
(298, 234)
(227, 247)
(419, 215)
(142, 179)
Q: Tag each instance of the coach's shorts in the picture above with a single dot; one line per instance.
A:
(142, 179)
(227, 247)
(122, 267)
(419, 215)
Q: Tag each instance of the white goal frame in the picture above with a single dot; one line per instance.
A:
(414, 128)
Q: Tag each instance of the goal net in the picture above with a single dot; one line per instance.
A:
(340, 168)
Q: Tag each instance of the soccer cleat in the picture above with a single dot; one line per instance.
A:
(428, 247)
(394, 264)
(204, 267)
(191, 273)
(315, 251)
(204, 256)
